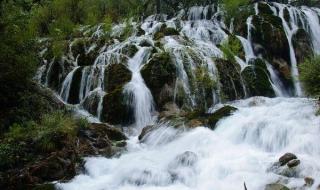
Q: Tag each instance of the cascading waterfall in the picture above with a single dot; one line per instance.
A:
(237, 151)
(241, 149)
(140, 97)
(290, 32)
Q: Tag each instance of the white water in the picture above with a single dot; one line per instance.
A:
(140, 97)
(66, 85)
(237, 151)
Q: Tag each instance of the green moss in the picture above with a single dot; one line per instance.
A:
(116, 76)
(158, 73)
(232, 47)
(257, 80)
(165, 31)
(310, 76)
(230, 80)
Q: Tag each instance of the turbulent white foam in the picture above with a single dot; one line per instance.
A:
(240, 150)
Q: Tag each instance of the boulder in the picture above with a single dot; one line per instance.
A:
(159, 75)
(276, 186)
(116, 76)
(293, 163)
(302, 45)
(165, 31)
(257, 79)
(79, 50)
(145, 131)
(309, 181)
(219, 114)
(230, 80)
(283, 160)
(75, 87)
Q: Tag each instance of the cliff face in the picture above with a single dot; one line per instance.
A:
(193, 60)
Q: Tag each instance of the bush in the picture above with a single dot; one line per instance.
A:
(310, 76)
(231, 7)
(231, 48)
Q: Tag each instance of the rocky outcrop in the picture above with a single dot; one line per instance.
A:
(257, 79)
(160, 76)
(230, 79)
(302, 45)
(286, 166)
(65, 162)
(165, 31)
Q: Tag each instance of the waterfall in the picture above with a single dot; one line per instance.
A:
(312, 17)
(140, 97)
(290, 32)
(66, 85)
(241, 149)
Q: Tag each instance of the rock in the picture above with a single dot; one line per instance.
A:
(130, 50)
(75, 87)
(145, 43)
(286, 158)
(116, 109)
(79, 50)
(230, 79)
(275, 44)
(302, 45)
(219, 114)
(165, 31)
(195, 123)
(111, 132)
(55, 74)
(293, 163)
(90, 103)
(145, 131)
(116, 76)
(170, 110)
(276, 186)
(308, 181)
(256, 77)
(160, 75)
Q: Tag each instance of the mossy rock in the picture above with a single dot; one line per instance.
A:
(275, 40)
(78, 49)
(160, 75)
(264, 8)
(302, 45)
(257, 79)
(130, 50)
(230, 80)
(276, 186)
(90, 103)
(55, 75)
(219, 114)
(75, 87)
(240, 22)
(116, 109)
(165, 31)
(116, 76)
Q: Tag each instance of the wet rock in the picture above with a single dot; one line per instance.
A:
(116, 76)
(170, 110)
(230, 79)
(256, 77)
(116, 109)
(111, 132)
(160, 74)
(80, 51)
(219, 114)
(165, 31)
(293, 163)
(55, 74)
(302, 45)
(283, 160)
(130, 50)
(276, 186)
(275, 44)
(145, 43)
(308, 181)
(75, 87)
(145, 131)
(90, 103)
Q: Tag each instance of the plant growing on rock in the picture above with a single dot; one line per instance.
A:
(310, 76)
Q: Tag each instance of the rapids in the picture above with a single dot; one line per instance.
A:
(241, 149)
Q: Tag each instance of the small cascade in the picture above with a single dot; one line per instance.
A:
(276, 83)
(139, 96)
(313, 28)
(65, 89)
(290, 32)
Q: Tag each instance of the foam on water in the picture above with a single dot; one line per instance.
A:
(241, 149)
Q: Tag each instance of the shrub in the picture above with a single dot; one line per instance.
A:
(310, 76)
(231, 48)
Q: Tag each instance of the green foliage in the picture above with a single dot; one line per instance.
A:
(231, 7)
(310, 76)
(231, 48)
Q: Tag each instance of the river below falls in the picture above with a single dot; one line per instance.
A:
(241, 150)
